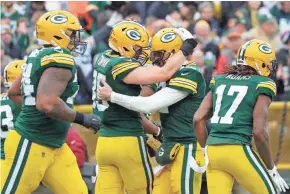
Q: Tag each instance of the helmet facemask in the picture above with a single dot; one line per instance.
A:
(159, 58)
(76, 45)
(273, 66)
(140, 54)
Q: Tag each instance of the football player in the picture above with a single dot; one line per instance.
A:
(121, 153)
(238, 104)
(35, 150)
(9, 110)
(177, 101)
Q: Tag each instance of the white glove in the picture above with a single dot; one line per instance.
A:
(183, 33)
(116, 17)
(278, 180)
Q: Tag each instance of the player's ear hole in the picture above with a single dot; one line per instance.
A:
(263, 65)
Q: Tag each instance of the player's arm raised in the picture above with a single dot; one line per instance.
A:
(201, 115)
(51, 86)
(152, 74)
(14, 91)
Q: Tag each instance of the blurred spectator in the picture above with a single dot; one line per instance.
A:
(283, 58)
(229, 53)
(206, 70)
(229, 9)
(281, 12)
(207, 13)
(10, 13)
(160, 9)
(77, 145)
(10, 47)
(266, 30)
(250, 13)
(174, 18)
(153, 25)
(34, 7)
(5, 60)
(20, 6)
(21, 35)
(187, 10)
(208, 45)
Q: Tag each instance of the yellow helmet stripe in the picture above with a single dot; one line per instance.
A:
(243, 49)
(124, 69)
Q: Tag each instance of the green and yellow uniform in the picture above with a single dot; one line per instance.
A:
(177, 125)
(36, 147)
(9, 113)
(121, 152)
(229, 142)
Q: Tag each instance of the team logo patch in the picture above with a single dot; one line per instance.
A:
(265, 49)
(58, 19)
(133, 34)
(168, 37)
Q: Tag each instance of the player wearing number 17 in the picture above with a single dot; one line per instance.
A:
(239, 100)
(35, 151)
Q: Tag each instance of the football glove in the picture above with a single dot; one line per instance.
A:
(183, 33)
(92, 122)
(278, 180)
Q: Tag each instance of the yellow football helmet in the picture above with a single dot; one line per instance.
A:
(12, 71)
(164, 43)
(60, 28)
(129, 38)
(259, 55)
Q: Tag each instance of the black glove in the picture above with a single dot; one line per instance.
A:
(188, 46)
(91, 121)
(159, 136)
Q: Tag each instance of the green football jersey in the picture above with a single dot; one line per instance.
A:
(177, 119)
(9, 113)
(116, 120)
(31, 123)
(234, 99)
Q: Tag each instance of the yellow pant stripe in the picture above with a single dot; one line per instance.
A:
(254, 161)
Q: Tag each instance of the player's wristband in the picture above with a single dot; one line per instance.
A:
(188, 46)
(79, 119)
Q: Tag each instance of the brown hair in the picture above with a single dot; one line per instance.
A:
(240, 70)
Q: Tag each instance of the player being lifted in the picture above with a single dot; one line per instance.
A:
(121, 153)
(238, 106)
(35, 150)
(177, 101)
(9, 110)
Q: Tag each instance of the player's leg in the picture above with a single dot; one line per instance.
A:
(109, 179)
(63, 175)
(183, 179)
(24, 165)
(135, 163)
(162, 182)
(252, 174)
(218, 180)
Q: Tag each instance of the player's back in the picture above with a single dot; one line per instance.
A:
(116, 120)
(9, 113)
(31, 123)
(234, 99)
(176, 119)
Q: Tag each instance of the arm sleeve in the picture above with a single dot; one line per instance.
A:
(163, 98)
(121, 70)
(267, 88)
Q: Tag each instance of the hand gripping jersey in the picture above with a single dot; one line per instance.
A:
(116, 120)
(234, 99)
(177, 119)
(9, 113)
(32, 124)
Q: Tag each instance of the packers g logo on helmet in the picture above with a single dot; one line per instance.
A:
(58, 19)
(168, 37)
(133, 34)
(265, 49)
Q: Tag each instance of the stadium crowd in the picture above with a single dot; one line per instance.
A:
(220, 28)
